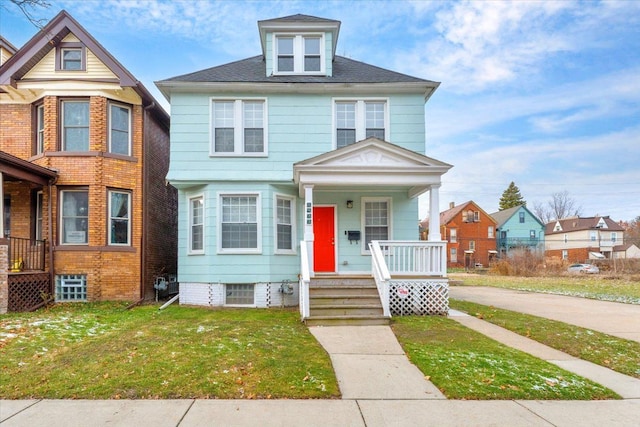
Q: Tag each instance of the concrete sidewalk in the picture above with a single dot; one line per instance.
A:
(320, 413)
(617, 319)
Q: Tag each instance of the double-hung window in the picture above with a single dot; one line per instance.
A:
(40, 129)
(376, 217)
(119, 233)
(119, 129)
(239, 127)
(521, 217)
(75, 217)
(285, 232)
(196, 225)
(358, 120)
(490, 232)
(239, 227)
(453, 235)
(75, 125)
(299, 54)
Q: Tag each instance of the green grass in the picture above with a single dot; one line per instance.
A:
(464, 364)
(102, 351)
(598, 286)
(616, 353)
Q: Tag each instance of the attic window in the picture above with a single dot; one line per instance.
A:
(299, 54)
(71, 57)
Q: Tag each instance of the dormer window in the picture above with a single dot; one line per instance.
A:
(299, 54)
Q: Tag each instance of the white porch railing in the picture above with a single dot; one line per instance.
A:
(305, 278)
(414, 258)
(410, 276)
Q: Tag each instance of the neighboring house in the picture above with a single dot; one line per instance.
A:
(470, 233)
(518, 229)
(84, 149)
(295, 144)
(7, 50)
(578, 239)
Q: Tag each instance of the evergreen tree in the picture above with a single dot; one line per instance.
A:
(511, 197)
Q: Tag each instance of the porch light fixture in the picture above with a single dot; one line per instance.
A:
(349, 204)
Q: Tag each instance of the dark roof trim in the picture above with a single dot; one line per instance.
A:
(24, 170)
(4, 43)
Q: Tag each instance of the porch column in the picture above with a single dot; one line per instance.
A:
(308, 224)
(434, 214)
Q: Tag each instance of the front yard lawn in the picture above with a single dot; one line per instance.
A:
(102, 351)
(612, 352)
(465, 364)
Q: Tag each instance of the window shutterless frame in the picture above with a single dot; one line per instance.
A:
(196, 225)
(375, 220)
(39, 126)
(239, 223)
(284, 224)
(356, 119)
(119, 214)
(119, 129)
(74, 217)
(239, 127)
(74, 124)
(299, 54)
(71, 56)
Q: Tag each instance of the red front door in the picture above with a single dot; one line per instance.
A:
(324, 254)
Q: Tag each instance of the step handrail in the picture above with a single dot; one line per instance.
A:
(304, 280)
(381, 276)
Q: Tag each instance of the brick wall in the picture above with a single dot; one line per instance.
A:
(113, 273)
(161, 216)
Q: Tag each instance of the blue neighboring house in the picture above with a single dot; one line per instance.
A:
(290, 163)
(518, 228)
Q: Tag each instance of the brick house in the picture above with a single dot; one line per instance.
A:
(577, 239)
(470, 234)
(84, 149)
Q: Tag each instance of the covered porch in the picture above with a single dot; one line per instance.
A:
(410, 274)
(25, 233)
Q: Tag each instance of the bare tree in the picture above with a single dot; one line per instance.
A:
(560, 206)
(28, 7)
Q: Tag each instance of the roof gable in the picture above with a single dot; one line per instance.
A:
(50, 37)
(449, 215)
(504, 216)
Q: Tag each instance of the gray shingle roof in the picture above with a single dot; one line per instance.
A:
(252, 70)
(299, 18)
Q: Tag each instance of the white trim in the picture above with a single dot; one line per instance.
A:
(294, 224)
(190, 250)
(363, 200)
(361, 117)
(258, 196)
(298, 53)
(109, 218)
(238, 127)
(129, 127)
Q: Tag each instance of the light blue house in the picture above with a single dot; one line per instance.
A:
(518, 229)
(291, 163)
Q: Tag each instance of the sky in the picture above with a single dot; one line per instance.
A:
(542, 93)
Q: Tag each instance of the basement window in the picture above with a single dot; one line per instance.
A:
(71, 287)
(239, 294)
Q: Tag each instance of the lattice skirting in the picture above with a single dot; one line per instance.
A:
(407, 297)
(28, 291)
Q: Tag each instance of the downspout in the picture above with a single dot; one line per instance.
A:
(50, 237)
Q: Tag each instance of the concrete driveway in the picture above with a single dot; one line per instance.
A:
(617, 319)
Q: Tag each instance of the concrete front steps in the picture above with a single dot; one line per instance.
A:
(344, 300)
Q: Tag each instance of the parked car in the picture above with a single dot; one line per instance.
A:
(583, 268)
